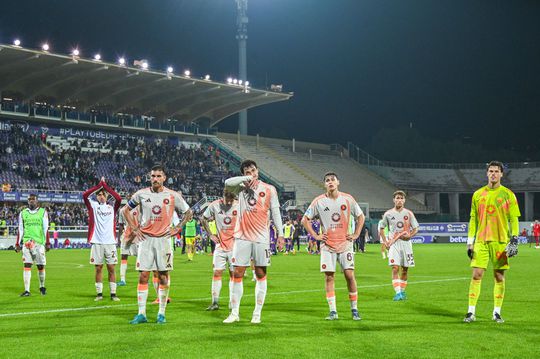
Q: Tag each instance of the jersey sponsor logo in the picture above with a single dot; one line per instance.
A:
(166, 201)
(252, 201)
(343, 207)
(491, 209)
(227, 220)
(262, 194)
(156, 210)
(336, 217)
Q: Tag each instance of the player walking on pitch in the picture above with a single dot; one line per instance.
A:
(257, 202)
(34, 236)
(156, 205)
(336, 209)
(493, 231)
(102, 234)
(128, 247)
(224, 212)
(402, 225)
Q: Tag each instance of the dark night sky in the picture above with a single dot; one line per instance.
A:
(454, 68)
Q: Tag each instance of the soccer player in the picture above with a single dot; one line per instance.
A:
(34, 236)
(536, 232)
(257, 202)
(190, 235)
(335, 210)
(402, 226)
(156, 205)
(288, 230)
(223, 213)
(102, 234)
(494, 218)
(128, 247)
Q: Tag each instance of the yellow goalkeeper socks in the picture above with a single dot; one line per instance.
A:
(498, 294)
(474, 291)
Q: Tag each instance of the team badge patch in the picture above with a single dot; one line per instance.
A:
(324, 266)
(166, 201)
(406, 217)
(262, 194)
(234, 213)
(343, 207)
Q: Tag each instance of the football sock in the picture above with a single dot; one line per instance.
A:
(474, 291)
(331, 299)
(260, 294)
(123, 269)
(142, 295)
(396, 285)
(99, 287)
(216, 288)
(27, 275)
(498, 295)
(163, 294)
(237, 292)
(353, 297)
(41, 276)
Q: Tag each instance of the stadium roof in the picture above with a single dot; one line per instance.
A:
(87, 84)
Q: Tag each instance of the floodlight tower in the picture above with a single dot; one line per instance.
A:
(241, 36)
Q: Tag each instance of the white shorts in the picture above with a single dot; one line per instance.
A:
(130, 249)
(221, 258)
(329, 259)
(103, 253)
(155, 253)
(243, 251)
(401, 254)
(34, 253)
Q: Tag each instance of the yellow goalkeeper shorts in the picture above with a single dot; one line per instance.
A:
(484, 252)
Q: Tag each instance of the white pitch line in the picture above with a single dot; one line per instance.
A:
(206, 298)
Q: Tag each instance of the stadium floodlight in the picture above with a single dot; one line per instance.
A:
(122, 61)
(235, 81)
(144, 65)
(170, 70)
(45, 47)
(187, 73)
(207, 77)
(17, 42)
(75, 52)
(240, 82)
(229, 80)
(97, 57)
(246, 83)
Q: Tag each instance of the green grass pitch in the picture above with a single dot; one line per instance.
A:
(68, 323)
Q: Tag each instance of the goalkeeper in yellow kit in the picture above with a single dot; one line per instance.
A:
(493, 231)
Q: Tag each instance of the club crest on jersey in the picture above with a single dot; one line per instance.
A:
(399, 224)
(227, 220)
(343, 207)
(156, 210)
(336, 217)
(262, 194)
(252, 201)
(166, 201)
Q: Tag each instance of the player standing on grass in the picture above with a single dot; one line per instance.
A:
(257, 202)
(336, 209)
(102, 234)
(493, 231)
(34, 236)
(402, 226)
(156, 205)
(223, 212)
(536, 233)
(128, 247)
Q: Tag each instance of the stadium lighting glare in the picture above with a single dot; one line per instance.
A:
(207, 77)
(240, 82)
(122, 61)
(229, 80)
(17, 42)
(75, 52)
(45, 47)
(246, 83)
(97, 57)
(170, 70)
(187, 73)
(145, 65)
(235, 81)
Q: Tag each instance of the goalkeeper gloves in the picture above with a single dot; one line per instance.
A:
(512, 247)
(470, 253)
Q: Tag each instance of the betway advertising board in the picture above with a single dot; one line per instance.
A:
(443, 232)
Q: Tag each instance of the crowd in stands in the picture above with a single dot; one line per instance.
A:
(27, 163)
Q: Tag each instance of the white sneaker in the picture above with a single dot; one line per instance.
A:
(231, 319)
(256, 319)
